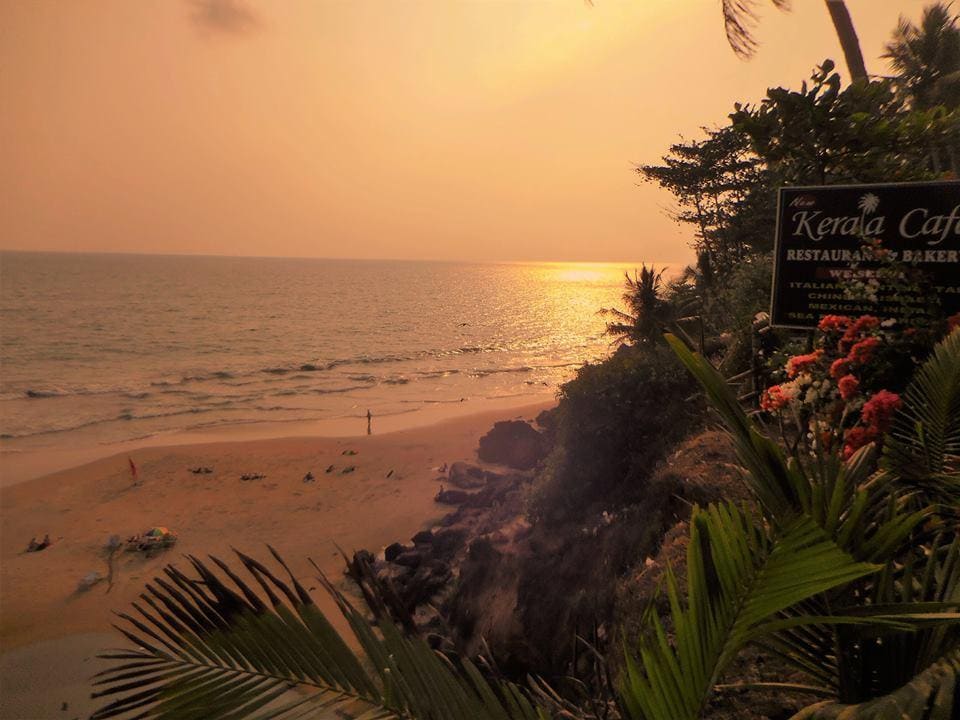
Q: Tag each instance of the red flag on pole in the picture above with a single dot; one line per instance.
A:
(133, 468)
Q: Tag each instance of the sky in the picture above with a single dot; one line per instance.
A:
(489, 130)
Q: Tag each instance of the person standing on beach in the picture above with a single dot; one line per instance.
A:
(369, 418)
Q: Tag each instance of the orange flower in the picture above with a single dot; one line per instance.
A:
(777, 397)
(839, 368)
(801, 363)
(833, 323)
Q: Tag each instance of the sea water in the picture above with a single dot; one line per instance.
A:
(107, 348)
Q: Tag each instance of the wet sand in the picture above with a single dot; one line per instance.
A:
(49, 630)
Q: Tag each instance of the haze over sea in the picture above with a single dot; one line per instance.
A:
(100, 349)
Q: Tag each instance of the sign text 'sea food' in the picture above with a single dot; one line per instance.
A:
(818, 253)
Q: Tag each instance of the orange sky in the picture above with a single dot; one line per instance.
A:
(484, 130)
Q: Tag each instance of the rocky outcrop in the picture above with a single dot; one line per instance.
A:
(469, 477)
(513, 443)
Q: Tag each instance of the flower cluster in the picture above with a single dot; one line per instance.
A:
(837, 391)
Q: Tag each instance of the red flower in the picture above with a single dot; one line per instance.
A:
(839, 368)
(862, 351)
(799, 363)
(859, 326)
(855, 438)
(833, 323)
(849, 385)
(878, 410)
(777, 397)
(953, 322)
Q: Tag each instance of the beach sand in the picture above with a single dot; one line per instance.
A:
(49, 630)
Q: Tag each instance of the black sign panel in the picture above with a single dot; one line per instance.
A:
(818, 249)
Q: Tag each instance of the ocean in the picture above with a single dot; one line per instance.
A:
(101, 349)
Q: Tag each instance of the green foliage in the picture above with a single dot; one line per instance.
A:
(722, 190)
(923, 449)
(882, 639)
(823, 135)
(614, 421)
(739, 578)
(647, 311)
(934, 694)
(927, 57)
(206, 649)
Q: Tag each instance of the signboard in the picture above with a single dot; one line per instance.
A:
(818, 249)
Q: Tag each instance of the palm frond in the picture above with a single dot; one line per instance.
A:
(934, 694)
(923, 449)
(739, 19)
(204, 648)
(739, 580)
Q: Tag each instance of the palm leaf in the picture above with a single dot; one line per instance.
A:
(739, 581)
(206, 648)
(934, 694)
(923, 449)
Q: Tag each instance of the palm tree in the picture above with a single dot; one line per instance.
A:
(927, 58)
(739, 18)
(647, 312)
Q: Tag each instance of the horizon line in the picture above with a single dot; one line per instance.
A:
(343, 259)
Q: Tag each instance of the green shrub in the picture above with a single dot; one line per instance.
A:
(614, 422)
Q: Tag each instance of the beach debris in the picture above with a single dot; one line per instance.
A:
(201, 470)
(308, 477)
(254, 476)
(157, 537)
(390, 473)
(348, 469)
(89, 580)
(34, 546)
(330, 469)
(349, 452)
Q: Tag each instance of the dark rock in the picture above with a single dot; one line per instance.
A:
(427, 581)
(451, 497)
(410, 558)
(450, 519)
(513, 443)
(466, 476)
(392, 551)
(448, 540)
(424, 537)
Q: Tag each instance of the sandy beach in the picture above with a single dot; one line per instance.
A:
(49, 630)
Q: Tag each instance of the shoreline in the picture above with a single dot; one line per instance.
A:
(387, 495)
(24, 465)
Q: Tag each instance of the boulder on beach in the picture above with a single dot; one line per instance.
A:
(393, 551)
(451, 497)
(466, 476)
(513, 443)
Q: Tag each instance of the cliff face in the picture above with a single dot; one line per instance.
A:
(486, 581)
